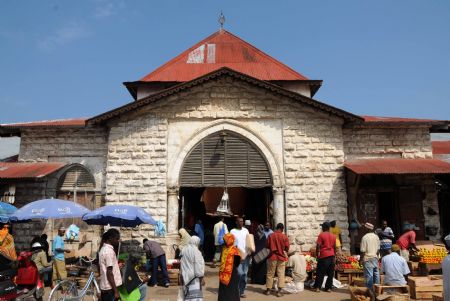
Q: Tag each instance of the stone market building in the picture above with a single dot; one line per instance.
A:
(223, 114)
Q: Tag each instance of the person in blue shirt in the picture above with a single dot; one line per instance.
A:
(200, 232)
(59, 263)
(394, 267)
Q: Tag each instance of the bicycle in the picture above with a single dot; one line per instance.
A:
(67, 290)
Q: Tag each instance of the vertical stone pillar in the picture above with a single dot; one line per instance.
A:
(278, 205)
(172, 209)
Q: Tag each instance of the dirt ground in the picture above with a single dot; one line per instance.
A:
(253, 292)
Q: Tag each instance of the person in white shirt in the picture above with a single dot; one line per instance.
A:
(394, 267)
(110, 277)
(446, 270)
(220, 229)
(370, 247)
(240, 234)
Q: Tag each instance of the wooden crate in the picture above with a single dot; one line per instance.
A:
(414, 268)
(438, 297)
(358, 281)
(392, 293)
(364, 291)
(347, 276)
(425, 287)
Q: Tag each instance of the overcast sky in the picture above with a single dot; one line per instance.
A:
(62, 59)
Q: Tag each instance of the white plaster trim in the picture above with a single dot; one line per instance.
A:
(176, 162)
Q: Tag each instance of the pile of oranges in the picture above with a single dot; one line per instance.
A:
(435, 255)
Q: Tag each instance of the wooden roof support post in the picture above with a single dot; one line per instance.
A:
(353, 182)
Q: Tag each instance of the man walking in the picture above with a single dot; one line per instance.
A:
(59, 261)
(110, 278)
(370, 247)
(326, 252)
(158, 258)
(220, 229)
(278, 244)
(240, 234)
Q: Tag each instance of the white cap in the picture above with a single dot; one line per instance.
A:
(247, 222)
(36, 245)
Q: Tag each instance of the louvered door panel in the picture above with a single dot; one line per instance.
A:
(225, 159)
(237, 161)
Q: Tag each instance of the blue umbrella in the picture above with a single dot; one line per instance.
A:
(119, 216)
(5, 211)
(49, 208)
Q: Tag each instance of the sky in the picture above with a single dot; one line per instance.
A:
(68, 59)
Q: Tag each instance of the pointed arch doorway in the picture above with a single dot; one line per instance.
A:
(224, 160)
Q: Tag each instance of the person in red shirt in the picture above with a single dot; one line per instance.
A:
(325, 250)
(278, 244)
(407, 240)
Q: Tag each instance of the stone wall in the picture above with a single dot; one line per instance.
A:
(365, 142)
(313, 152)
(87, 146)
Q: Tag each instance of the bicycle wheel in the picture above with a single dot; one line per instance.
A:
(64, 290)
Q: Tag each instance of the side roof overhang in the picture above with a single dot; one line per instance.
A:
(14, 129)
(348, 117)
(27, 171)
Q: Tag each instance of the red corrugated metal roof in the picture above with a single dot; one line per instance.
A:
(57, 122)
(397, 119)
(222, 49)
(441, 147)
(28, 170)
(398, 166)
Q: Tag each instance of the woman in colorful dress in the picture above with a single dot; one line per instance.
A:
(228, 272)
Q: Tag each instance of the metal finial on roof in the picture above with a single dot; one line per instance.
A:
(221, 20)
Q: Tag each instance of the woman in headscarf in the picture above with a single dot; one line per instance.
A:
(259, 270)
(192, 270)
(228, 272)
(185, 237)
(7, 247)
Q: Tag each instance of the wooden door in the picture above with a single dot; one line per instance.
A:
(411, 208)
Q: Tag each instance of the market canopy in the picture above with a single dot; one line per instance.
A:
(389, 166)
(119, 216)
(49, 208)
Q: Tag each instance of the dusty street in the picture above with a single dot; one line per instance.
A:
(254, 292)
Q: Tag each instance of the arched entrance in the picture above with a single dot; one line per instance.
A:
(76, 183)
(224, 160)
(179, 157)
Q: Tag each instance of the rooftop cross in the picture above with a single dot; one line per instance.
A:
(221, 20)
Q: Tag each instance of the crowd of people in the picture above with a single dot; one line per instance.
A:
(269, 253)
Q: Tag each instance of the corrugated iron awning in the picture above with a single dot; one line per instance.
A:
(28, 170)
(398, 166)
(441, 147)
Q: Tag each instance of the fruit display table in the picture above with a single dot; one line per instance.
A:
(347, 276)
(426, 269)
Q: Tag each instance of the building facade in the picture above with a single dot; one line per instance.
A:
(225, 116)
